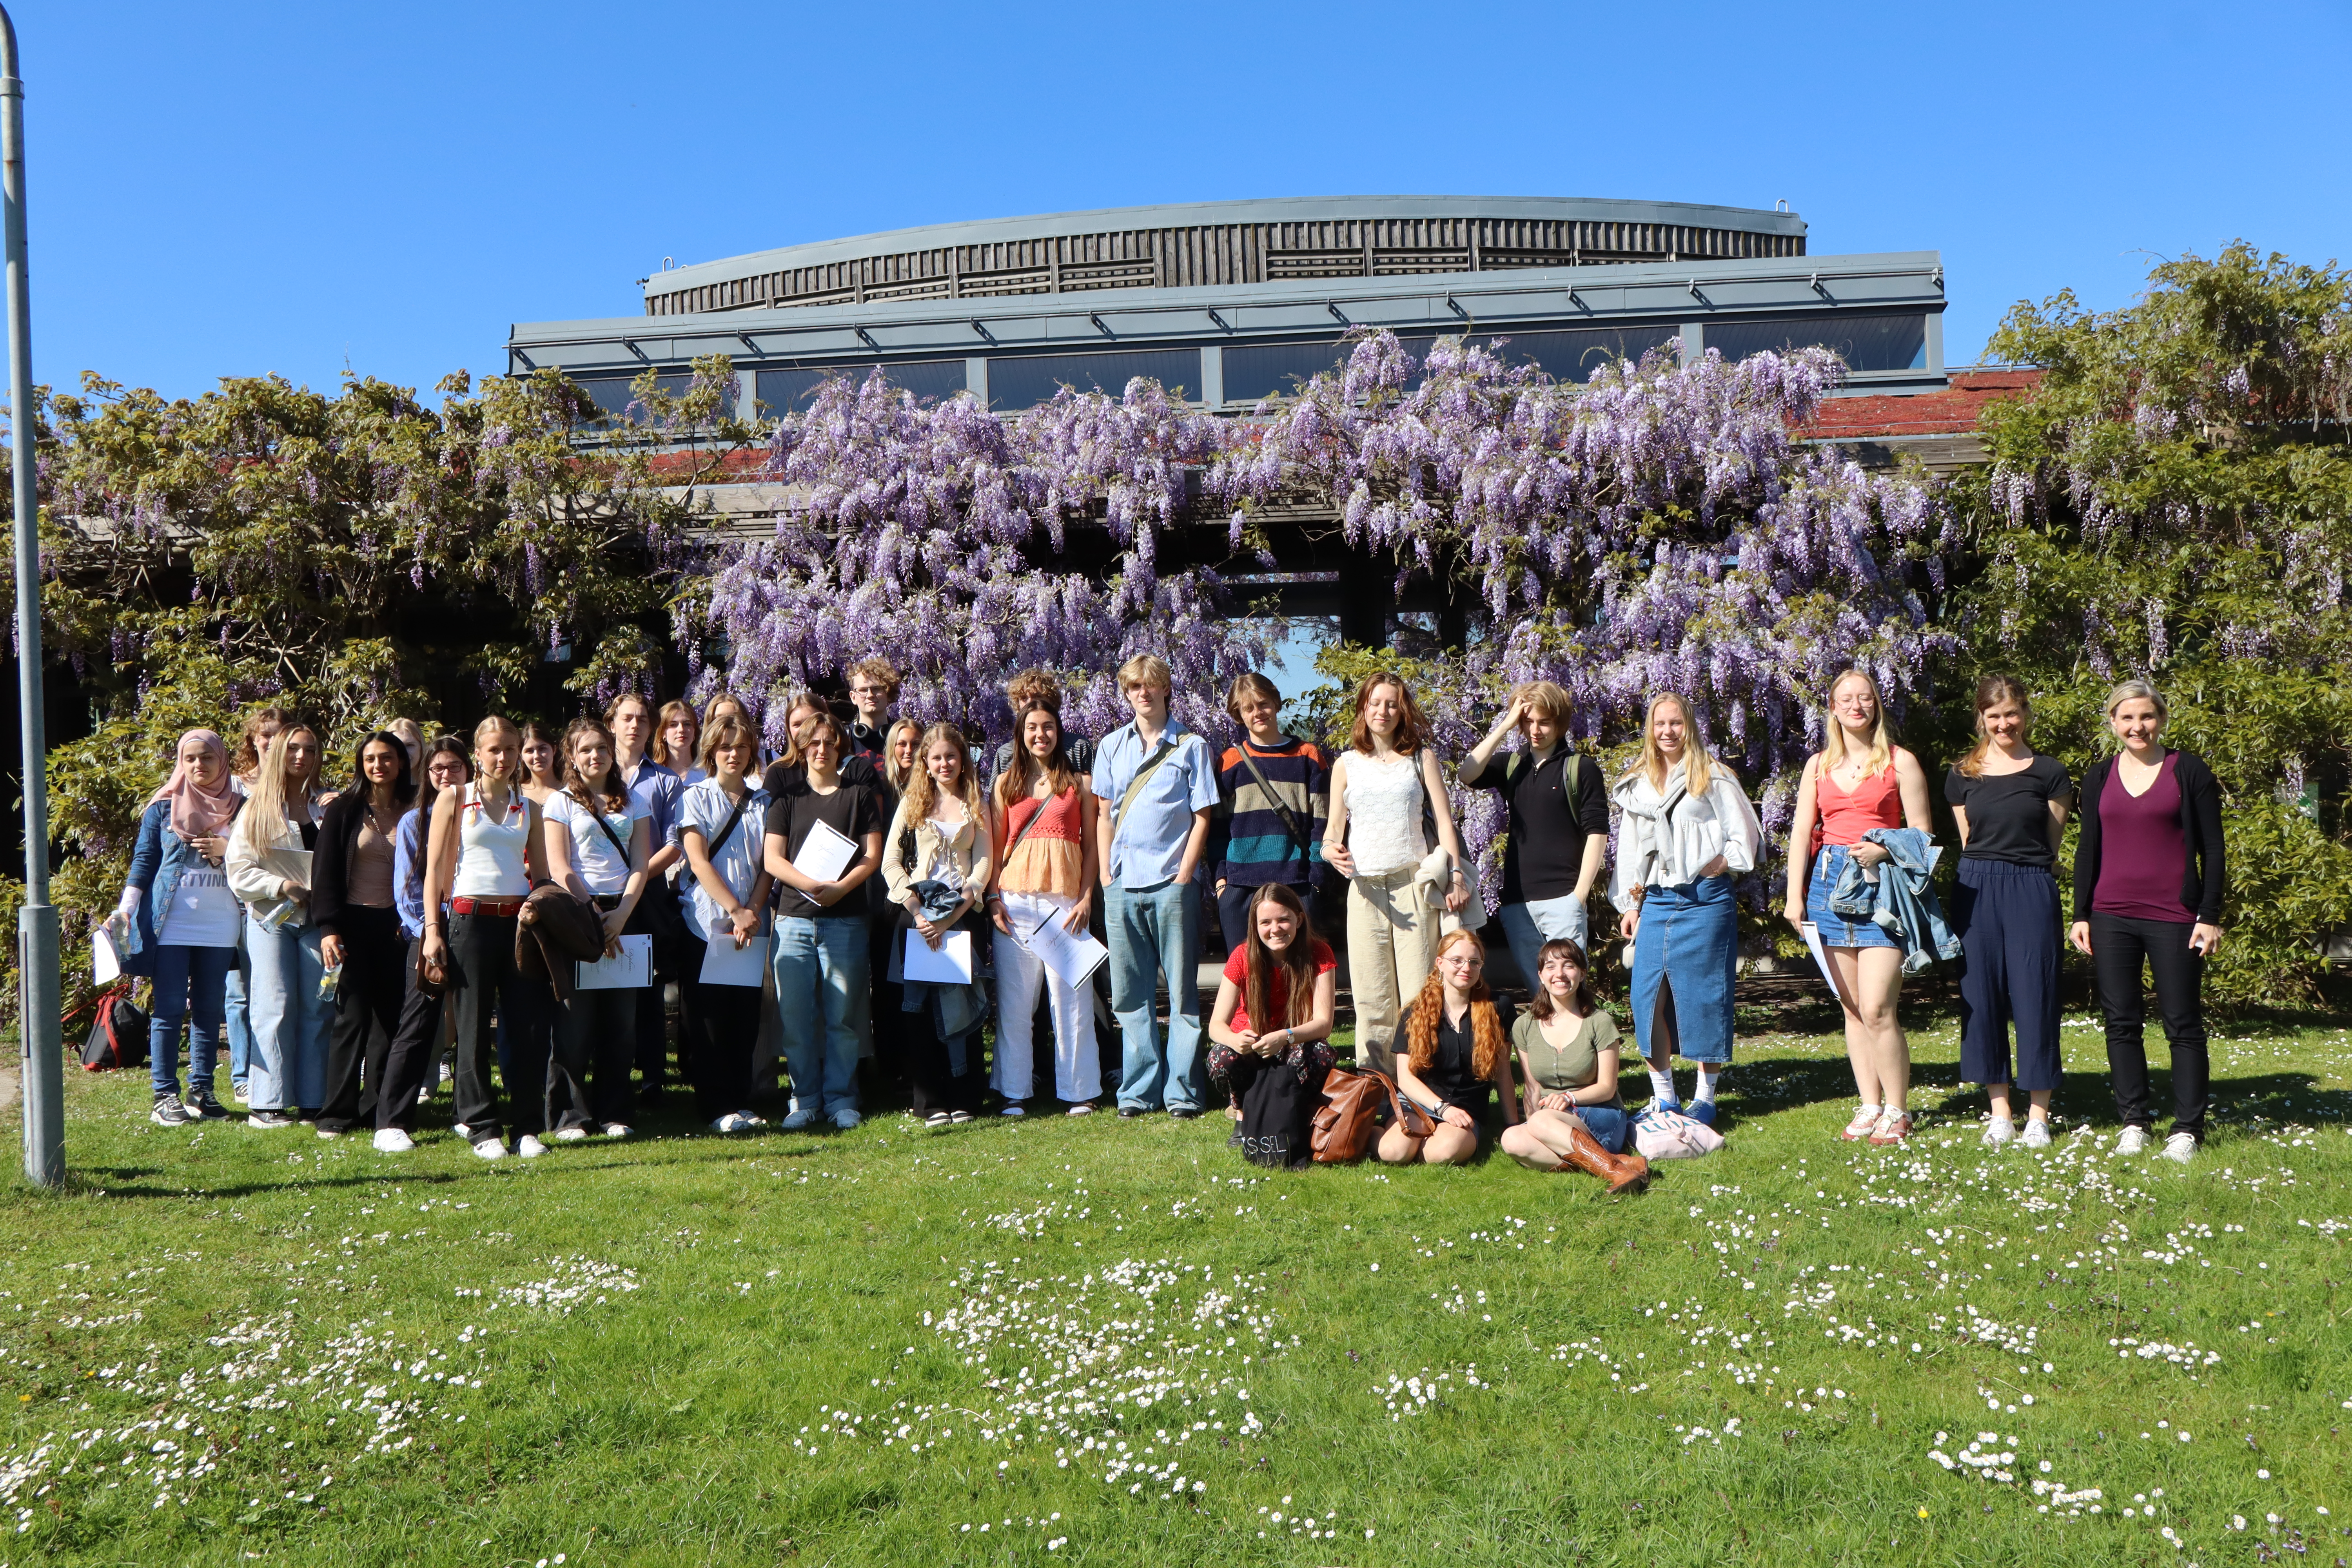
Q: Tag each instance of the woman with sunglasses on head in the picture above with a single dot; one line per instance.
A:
(2149, 878)
(177, 923)
(1568, 1061)
(1275, 1005)
(1457, 1056)
(269, 867)
(598, 841)
(353, 873)
(481, 860)
(721, 823)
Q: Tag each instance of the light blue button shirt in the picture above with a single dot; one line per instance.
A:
(1149, 846)
(705, 808)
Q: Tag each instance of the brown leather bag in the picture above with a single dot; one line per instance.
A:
(1347, 1121)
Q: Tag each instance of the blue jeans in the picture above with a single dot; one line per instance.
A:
(821, 977)
(1528, 926)
(1608, 1125)
(1155, 931)
(240, 1021)
(288, 1070)
(188, 981)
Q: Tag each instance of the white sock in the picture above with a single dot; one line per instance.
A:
(1706, 1095)
(1867, 1110)
(1662, 1086)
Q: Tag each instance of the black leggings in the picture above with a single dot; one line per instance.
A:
(2119, 946)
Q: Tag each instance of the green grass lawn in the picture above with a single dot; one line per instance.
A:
(1095, 1342)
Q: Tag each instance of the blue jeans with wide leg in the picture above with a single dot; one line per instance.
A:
(821, 967)
(290, 1019)
(1156, 931)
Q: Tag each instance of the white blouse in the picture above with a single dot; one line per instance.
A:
(1384, 800)
(1665, 835)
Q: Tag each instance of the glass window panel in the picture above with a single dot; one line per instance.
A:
(612, 393)
(1027, 382)
(783, 392)
(1865, 342)
(1575, 355)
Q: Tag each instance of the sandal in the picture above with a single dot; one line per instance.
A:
(1894, 1127)
(1866, 1122)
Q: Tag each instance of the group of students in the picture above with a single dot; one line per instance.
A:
(350, 929)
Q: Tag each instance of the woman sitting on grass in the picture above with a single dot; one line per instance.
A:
(1568, 1060)
(1280, 970)
(1458, 1053)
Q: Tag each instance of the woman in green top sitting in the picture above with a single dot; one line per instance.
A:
(1568, 1060)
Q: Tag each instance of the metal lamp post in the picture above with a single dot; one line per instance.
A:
(39, 1027)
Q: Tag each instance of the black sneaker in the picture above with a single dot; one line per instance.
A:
(264, 1120)
(1130, 1112)
(1184, 1113)
(204, 1107)
(168, 1111)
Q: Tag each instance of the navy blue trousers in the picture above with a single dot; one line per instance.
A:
(2008, 919)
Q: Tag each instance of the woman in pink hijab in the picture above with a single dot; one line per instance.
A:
(177, 922)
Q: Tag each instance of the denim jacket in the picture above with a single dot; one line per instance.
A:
(159, 858)
(1901, 898)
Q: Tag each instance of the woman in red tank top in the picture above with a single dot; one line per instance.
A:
(1859, 781)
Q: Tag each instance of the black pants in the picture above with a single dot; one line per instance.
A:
(410, 1059)
(588, 1078)
(2118, 947)
(724, 1021)
(895, 1033)
(483, 976)
(367, 1016)
(650, 1018)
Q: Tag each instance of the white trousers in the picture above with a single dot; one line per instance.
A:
(1077, 1068)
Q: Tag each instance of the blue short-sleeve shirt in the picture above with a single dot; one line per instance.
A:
(1148, 848)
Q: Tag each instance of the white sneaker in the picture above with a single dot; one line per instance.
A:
(572, 1134)
(800, 1121)
(1083, 1108)
(2132, 1140)
(2037, 1133)
(490, 1149)
(847, 1120)
(745, 1120)
(1999, 1132)
(423, 1094)
(461, 1130)
(393, 1141)
(2180, 1148)
(530, 1147)
(324, 1133)
(616, 1130)
(731, 1122)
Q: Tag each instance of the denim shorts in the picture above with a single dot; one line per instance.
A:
(1835, 929)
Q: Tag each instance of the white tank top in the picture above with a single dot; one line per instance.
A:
(1384, 813)
(490, 854)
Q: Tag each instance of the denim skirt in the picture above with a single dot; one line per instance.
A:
(1688, 942)
(1835, 929)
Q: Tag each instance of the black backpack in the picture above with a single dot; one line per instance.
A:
(118, 1037)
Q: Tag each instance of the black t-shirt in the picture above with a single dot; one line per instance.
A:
(1544, 854)
(850, 811)
(2009, 814)
(1454, 1075)
(858, 768)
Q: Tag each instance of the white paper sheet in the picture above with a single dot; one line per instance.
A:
(105, 958)
(1071, 955)
(1820, 955)
(633, 966)
(724, 963)
(950, 965)
(824, 854)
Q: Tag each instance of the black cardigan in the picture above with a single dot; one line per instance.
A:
(2205, 881)
(331, 862)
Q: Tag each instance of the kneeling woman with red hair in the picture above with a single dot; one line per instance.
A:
(1457, 1052)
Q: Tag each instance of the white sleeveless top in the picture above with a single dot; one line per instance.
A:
(490, 854)
(1384, 813)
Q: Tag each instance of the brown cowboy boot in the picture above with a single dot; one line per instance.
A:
(1623, 1173)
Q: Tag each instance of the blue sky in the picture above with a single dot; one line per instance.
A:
(302, 188)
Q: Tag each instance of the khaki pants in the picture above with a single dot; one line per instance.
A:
(1392, 945)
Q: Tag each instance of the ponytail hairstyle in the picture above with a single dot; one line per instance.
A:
(606, 796)
(1698, 767)
(1882, 734)
(1013, 782)
(1295, 963)
(1991, 691)
(260, 727)
(1489, 1049)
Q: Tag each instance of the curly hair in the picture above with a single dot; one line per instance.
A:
(1489, 1049)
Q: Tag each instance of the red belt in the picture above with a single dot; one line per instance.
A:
(462, 905)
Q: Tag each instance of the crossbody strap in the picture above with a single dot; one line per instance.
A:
(1281, 807)
(620, 848)
(728, 831)
(1134, 785)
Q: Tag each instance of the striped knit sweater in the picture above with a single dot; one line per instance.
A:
(1249, 844)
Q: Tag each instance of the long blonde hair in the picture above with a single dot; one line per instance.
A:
(263, 821)
(1698, 768)
(1882, 736)
(1991, 690)
(922, 791)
